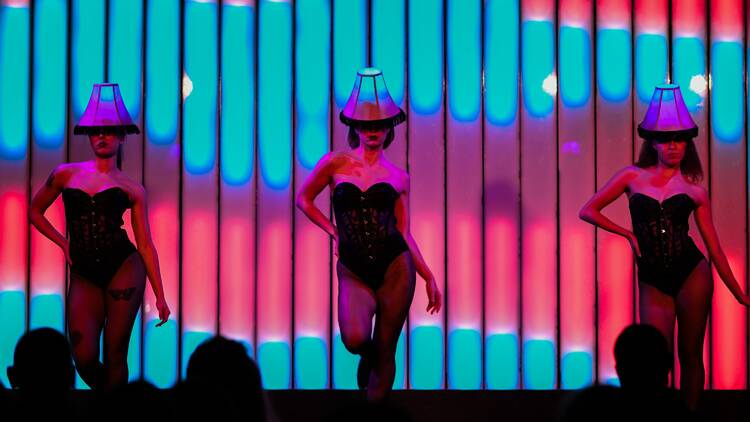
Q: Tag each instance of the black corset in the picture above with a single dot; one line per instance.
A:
(366, 220)
(662, 228)
(95, 222)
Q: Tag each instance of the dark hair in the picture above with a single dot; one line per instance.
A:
(690, 166)
(353, 138)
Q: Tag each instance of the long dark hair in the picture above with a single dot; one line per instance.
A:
(353, 138)
(690, 166)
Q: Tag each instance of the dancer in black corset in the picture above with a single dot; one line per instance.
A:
(377, 257)
(107, 273)
(663, 190)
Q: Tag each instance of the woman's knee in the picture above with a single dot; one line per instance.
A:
(356, 340)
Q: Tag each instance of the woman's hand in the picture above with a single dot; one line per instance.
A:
(435, 299)
(163, 308)
(634, 244)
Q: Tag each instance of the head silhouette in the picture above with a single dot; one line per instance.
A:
(642, 357)
(42, 362)
(222, 366)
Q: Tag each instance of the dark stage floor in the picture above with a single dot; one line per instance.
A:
(434, 406)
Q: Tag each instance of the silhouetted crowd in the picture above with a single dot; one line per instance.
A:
(223, 383)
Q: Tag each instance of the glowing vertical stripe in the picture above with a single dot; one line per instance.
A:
(388, 36)
(427, 337)
(501, 66)
(238, 90)
(464, 59)
(388, 43)
(728, 196)
(614, 151)
(501, 70)
(538, 193)
(539, 82)
(199, 87)
(237, 272)
(312, 269)
(199, 246)
(125, 40)
(162, 74)
(464, 194)
(161, 178)
(650, 46)
(125, 48)
(50, 49)
(576, 166)
(48, 132)
(689, 63)
(14, 82)
(274, 206)
(349, 45)
(425, 61)
(87, 51)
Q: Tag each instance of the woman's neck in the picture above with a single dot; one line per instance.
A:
(105, 165)
(369, 156)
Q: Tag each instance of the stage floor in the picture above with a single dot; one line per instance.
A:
(505, 406)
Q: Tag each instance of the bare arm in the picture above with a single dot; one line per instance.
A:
(705, 224)
(42, 200)
(402, 221)
(142, 232)
(591, 211)
(316, 181)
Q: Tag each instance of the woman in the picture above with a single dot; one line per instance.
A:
(378, 256)
(107, 273)
(663, 188)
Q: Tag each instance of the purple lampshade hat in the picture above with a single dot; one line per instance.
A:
(105, 112)
(370, 105)
(667, 116)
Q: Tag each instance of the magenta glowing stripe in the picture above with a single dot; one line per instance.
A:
(728, 164)
(576, 185)
(538, 196)
(689, 18)
(651, 16)
(614, 257)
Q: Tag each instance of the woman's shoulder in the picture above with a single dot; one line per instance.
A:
(134, 189)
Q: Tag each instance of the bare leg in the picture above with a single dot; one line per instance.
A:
(693, 306)
(85, 320)
(394, 299)
(123, 299)
(657, 309)
(356, 307)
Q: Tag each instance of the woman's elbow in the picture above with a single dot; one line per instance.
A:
(585, 214)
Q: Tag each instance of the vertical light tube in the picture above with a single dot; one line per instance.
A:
(274, 192)
(388, 42)
(162, 180)
(199, 187)
(349, 55)
(501, 187)
(14, 156)
(312, 267)
(538, 195)
(237, 228)
(728, 196)
(689, 72)
(576, 166)
(49, 99)
(614, 142)
(125, 68)
(464, 194)
(426, 139)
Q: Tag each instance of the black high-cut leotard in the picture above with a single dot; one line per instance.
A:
(98, 243)
(368, 237)
(668, 253)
